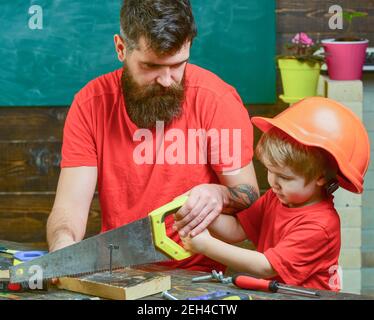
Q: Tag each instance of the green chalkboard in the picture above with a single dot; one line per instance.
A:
(47, 66)
(236, 40)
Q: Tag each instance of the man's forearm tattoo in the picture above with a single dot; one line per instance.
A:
(241, 197)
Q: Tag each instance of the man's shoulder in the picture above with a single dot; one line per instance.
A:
(198, 78)
(104, 85)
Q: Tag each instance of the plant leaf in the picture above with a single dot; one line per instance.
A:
(348, 15)
(359, 14)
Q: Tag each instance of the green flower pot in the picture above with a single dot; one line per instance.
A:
(299, 79)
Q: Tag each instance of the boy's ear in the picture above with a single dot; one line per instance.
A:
(331, 185)
(321, 181)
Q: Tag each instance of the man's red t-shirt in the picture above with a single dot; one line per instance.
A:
(98, 132)
(302, 244)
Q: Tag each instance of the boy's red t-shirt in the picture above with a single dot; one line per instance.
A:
(302, 244)
(98, 132)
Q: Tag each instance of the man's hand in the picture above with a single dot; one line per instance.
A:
(197, 244)
(205, 202)
(62, 242)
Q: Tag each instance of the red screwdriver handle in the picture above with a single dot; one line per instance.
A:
(250, 283)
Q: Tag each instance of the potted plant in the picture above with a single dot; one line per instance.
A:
(300, 68)
(345, 56)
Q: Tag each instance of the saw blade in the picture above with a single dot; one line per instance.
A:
(129, 245)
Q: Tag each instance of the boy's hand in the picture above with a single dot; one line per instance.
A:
(197, 244)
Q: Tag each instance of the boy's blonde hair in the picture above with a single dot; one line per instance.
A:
(309, 162)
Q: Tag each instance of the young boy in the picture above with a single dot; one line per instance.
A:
(309, 150)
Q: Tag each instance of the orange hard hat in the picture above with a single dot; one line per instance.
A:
(327, 124)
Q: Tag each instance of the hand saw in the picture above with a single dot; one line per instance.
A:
(141, 242)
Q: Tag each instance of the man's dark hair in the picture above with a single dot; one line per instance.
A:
(166, 25)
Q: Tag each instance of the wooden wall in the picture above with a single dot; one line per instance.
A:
(312, 17)
(30, 145)
(30, 138)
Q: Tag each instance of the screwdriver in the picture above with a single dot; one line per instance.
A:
(250, 283)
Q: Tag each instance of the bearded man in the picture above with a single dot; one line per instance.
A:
(155, 85)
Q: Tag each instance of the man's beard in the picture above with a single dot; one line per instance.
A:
(147, 104)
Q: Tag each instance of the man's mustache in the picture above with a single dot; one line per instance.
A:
(157, 90)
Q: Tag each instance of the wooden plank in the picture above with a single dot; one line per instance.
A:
(29, 166)
(312, 17)
(35, 165)
(266, 110)
(123, 284)
(32, 123)
(17, 246)
(261, 175)
(315, 18)
(23, 217)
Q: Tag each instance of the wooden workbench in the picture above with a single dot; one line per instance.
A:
(182, 288)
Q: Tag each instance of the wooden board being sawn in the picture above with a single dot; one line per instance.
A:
(121, 284)
(182, 286)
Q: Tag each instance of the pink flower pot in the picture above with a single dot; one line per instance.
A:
(345, 59)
